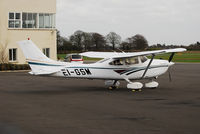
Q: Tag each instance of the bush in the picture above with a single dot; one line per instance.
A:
(4, 67)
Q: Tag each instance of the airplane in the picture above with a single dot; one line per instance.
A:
(114, 66)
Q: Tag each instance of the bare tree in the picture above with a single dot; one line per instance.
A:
(3, 54)
(59, 39)
(87, 41)
(114, 39)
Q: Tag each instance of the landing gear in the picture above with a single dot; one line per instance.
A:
(152, 84)
(112, 84)
(113, 87)
(137, 90)
(136, 86)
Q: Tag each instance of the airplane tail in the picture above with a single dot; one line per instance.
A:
(40, 64)
(32, 52)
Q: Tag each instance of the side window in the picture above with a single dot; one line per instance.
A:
(127, 61)
(143, 59)
(134, 60)
(117, 62)
(130, 61)
(46, 51)
(12, 54)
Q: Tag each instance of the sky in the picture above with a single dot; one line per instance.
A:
(159, 21)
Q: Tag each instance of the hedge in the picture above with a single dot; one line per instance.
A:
(5, 67)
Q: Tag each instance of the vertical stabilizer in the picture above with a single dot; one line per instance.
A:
(32, 52)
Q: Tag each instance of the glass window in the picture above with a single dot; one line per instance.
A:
(11, 23)
(46, 20)
(13, 54)
(46, 51)
(41, 21)
(17, 16)
(126, 61)
(29, 20)
(117, 62)
(14, 20)
(143, 58)
(134, 60)
(11, 15)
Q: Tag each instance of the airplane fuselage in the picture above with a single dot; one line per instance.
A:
(105, 71)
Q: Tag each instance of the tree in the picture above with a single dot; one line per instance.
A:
(138, 42)
(125, 45)
(87, 41)
(99, 41)
(76, 39)
(114, 39)
(59, 39)
(3, 54)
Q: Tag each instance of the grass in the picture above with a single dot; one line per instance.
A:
(188, 56)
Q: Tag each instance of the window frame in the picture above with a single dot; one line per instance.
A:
(14, 20)
(50, 20)
(46, 51)
(12, 59)
(34, 25)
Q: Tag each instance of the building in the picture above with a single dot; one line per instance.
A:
(23, 19)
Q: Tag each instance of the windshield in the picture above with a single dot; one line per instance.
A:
(76, 57)
(143, 58)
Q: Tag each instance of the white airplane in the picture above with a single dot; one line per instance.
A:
(114, 66)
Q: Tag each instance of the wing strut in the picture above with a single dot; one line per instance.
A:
(153, 55)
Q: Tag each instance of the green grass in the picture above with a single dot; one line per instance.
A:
(188, 56)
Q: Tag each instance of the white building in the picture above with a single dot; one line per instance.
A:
(23, 19)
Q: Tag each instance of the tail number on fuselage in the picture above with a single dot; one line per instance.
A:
(78, 72)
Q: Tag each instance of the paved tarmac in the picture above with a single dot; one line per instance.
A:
(49, 105)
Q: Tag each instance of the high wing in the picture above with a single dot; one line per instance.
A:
(117, 55)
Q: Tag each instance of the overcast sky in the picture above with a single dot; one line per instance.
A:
(160, 21)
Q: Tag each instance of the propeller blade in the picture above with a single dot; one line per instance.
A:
(170, 77)
(171, 57)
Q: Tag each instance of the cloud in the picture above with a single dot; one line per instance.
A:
(161, 21)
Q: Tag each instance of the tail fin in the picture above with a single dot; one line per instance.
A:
(40, 64)
(32, 52)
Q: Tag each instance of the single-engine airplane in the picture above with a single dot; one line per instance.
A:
(113, 67)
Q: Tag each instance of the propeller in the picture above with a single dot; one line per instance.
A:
(169, 72)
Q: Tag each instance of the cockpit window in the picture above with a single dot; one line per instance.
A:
(126, 61)
(143, 58)
(117, 62)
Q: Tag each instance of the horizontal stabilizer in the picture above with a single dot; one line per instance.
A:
(43, 72)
